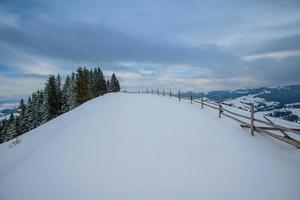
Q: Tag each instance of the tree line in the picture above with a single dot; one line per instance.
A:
(55, 99)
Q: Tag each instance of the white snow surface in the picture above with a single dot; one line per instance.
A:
(139, 146)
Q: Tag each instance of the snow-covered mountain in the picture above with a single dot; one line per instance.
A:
(280, 102)
(139, 146)
(7, 107)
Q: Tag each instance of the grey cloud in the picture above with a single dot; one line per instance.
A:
(272, 71)
(93, 43)
(291, 42)
(38, 76)
(157, 36)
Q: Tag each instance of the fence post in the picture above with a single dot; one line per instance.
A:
(220, 110)
(163, 92)
(151, 91)
(170, 93)
(179, 95)
(147, 90)
(202, 102)
(252, 119)
(157, 91)
(191, 97)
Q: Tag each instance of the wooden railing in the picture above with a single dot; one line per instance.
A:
(268, 127)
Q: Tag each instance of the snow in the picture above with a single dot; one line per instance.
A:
(293, 104)
(261, 115)
(139, 146)
(241, 102)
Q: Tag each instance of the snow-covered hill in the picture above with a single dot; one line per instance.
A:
(281, 102)
(139, 146)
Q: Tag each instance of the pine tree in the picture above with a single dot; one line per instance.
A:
(22, 120)
(82, 87)
(70, 92)
(65, 95)
(1, 131)
(41, 108)
(35, 109)
(29, 120)
(9, 129)
(17, 127)
(91, 80)
(108, 86)
(114, 84)
(59, 93)
(52, 99)
(100, 82)
(37, 101)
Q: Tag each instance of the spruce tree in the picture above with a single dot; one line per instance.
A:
(37, 101)
(10, 131)
(114, 84)
(72, 92)
(3, 131)
(58, 93)
(65, 95)
(17, 127)
(52, 99)
(22, 119)
(29, 117)
(100, 82)
(41, 108)
(82, 87)
(91, 80)
(34, 101)
(108, 89)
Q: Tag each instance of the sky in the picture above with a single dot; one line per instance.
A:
(189, 45)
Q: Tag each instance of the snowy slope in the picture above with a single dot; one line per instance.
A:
(135, 146)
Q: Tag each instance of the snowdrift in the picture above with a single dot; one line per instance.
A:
(139, 146)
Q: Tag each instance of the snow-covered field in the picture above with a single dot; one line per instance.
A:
(138, 146)
(241, 103)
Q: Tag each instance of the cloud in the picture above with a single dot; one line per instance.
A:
(273, 71)
(18, 86)
(273, 55)
(79, 42)
(179, 44)
(7, 19)
(13, 57)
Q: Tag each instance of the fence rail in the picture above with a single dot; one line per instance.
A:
(254, 124)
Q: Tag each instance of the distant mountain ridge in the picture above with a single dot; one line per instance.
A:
(282, 94)
(282, 101)
(8, 106)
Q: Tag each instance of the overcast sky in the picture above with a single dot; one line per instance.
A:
(199, 45)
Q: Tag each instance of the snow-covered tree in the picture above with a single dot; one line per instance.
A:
(82, 90)
(65, 95)
(22, 120)
(9, 129)
(114, 84)
(55, 99)
(52, 98)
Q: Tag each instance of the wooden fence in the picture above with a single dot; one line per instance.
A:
(266, 126)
